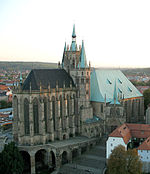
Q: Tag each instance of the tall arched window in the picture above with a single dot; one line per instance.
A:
(53, 112)
(45, 113)
(26, 117)
(68, 105)
(36, 116)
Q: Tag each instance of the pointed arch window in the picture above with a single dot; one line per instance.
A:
(36, 116)
(26, 117)
(45, 113)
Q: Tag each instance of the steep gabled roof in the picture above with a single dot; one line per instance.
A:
(103, 82)
(123, 132)
(46, 77)
(128, 131)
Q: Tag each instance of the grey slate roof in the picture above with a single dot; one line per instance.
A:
(46, 77)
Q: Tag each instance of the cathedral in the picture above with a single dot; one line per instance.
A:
(61, 113)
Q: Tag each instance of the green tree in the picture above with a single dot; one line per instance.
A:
(124, 162)
(5, 104)
(146, 95)
(11, 161)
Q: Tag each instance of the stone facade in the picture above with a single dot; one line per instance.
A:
(129, 111)
(54, 118)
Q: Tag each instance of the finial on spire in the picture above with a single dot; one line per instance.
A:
(73, 44)
(73, 32)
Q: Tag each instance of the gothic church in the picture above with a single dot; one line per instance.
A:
(60, 113)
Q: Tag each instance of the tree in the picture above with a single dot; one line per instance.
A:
(11, 160)
(124, 162)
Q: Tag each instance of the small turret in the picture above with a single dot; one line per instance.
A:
(115, 98)
(62, 64)
(83, 57)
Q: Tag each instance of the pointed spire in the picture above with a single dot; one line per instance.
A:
(62, 64)
(65, 47)
(73, 32)
(115, 97)
(83, 57)
(73, 44)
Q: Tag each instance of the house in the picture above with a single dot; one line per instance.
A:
(132, 136)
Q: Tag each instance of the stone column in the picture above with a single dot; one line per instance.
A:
(48, 157)
(66, 117)
(59, 129)
(32, 160)
(70, 156)
(58, 159)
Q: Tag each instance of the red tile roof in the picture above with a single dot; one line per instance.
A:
(145, 145)
(128, 131)
(123, 132)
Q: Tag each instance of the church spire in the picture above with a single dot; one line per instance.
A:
(83, 57)
(115, 98)
(63, 56)
(73, 32)
(73, 44)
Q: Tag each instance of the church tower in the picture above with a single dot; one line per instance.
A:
(75, 63)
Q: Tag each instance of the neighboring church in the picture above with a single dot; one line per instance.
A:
(61, 113)
(115, 99)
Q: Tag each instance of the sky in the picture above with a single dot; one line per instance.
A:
(116, 33)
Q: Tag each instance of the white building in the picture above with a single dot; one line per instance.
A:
(137, 135)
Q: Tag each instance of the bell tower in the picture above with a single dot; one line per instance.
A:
(75, 63)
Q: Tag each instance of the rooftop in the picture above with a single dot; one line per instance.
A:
(128, 131)
(103, 84)
(46, 77)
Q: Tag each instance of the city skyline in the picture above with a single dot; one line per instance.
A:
(115, 33)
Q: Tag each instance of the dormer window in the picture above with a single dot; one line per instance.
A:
(109, 82)
(129, 89)
(119, 81)
(119, 90)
